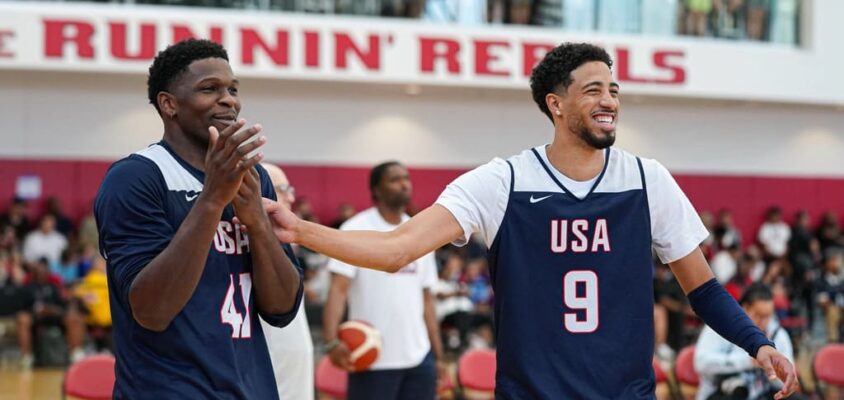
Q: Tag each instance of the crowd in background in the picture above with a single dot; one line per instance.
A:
(53, 290)
(54, 300)
(774, 21)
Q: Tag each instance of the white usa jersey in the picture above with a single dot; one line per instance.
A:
(572, 269)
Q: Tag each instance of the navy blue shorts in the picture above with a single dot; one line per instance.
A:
(417, 383)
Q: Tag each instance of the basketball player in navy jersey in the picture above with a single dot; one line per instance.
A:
(186, 284)
(570, 226)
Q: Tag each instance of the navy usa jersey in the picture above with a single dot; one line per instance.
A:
(214, 347)
(572, 273)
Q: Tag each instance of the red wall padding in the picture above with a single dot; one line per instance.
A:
(76, 183)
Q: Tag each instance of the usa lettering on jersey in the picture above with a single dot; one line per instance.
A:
(579, 236)
(230, 239)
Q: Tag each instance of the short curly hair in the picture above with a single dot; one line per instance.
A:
(174, 61)
(553, 73)
(377, 174)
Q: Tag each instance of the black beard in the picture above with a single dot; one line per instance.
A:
(596, 141)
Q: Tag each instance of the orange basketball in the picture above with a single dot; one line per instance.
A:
(363, 341)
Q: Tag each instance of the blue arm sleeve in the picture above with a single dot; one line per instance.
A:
(724, 315)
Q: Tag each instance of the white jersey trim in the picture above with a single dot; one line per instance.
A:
(175, 175)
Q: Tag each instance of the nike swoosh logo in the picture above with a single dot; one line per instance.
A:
(189, 197)
(537, 200)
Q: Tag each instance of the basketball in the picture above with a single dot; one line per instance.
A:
(363, 341)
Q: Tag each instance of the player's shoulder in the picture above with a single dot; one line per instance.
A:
(626, 164)
(130, 171)
(500, 169)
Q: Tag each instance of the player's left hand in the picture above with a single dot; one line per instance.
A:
(776, 366)
(247, 201)
(442, 374)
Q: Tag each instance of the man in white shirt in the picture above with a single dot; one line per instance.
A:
(291, 348)
(774, 234)
(726, 369)
(400, 305)
(44, 242)
(570, 227)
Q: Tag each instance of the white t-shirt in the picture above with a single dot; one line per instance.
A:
(775, 236)
(37, 244)
(292, 355)
(392, 303)
(478, 200)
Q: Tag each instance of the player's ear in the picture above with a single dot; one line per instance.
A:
(554, 103)
(167, 104)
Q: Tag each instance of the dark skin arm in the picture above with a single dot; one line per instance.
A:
(335, 306)
(164, 286)
(275, 279)
(433, 327)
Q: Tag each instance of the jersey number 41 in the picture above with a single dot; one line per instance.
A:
(241, 326)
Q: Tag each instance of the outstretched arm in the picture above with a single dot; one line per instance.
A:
(723, 314)
(384, 251)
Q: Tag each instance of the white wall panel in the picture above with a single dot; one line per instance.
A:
(87, 116)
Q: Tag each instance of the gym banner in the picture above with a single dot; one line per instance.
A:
(125, 38)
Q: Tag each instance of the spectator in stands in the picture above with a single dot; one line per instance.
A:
(804, 255)
(830, 289)
(757, 19)
(92, 293)
(728, 19)
(509, 11)
(725, 263)
(402, 8)
(829, 231)
(44, 242)
(454, 309)
(726, 371)
(774, 235)
(8, 238)
(669, 295)
(12, 299)
(16, 218)
(291, 348)
(63, 224)
(67, 267)
(400, 305)
(696, 17)
(742, 279)
(344, 211)
(45, 307)
(726, 234)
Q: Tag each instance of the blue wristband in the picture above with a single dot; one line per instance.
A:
(724, 315)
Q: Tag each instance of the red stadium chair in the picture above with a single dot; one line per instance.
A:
(684, 372)
(828, 366)
(659, 373)
(90, 379)
(330, 380)
(476, 374)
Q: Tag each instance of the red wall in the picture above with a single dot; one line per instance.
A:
(76, 183)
